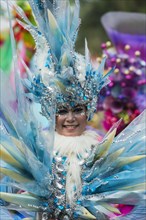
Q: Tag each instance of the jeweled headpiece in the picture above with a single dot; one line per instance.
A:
(60, 74)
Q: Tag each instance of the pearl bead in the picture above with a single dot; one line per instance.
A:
(137, 53)
(126, 72)
(118, 60)
(108, 44)
(116, 70)
(127, 47)
(131, 68)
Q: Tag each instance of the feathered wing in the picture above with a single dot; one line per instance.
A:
(28, 157)
(115, 172)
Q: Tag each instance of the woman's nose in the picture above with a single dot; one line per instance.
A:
(70, 116)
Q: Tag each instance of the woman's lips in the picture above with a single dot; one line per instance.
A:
(70, 127)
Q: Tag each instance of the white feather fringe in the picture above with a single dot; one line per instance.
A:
(76, 149)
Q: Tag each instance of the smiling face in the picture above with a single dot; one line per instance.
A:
(71, 121)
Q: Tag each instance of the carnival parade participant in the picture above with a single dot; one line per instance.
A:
(57, 168)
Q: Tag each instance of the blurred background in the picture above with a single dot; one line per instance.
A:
(91, 28)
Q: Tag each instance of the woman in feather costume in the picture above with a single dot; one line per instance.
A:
(52, 167)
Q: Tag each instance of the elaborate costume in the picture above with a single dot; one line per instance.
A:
(54, 176)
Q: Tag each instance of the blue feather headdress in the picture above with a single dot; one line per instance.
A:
(60, 75)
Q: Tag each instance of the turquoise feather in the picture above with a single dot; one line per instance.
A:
(82, 212)
(16, 176)
(25, 201)
(7, 157)
(17, 155)
(18, 144)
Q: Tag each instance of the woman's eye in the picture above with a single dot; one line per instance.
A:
(78, 110)
(62, 112)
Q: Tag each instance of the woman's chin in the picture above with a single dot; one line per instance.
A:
(70, 131)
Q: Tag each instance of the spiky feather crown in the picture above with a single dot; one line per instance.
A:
(61, 75)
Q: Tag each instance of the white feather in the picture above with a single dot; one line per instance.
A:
(76, 149)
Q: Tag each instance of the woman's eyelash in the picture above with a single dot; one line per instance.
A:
(65, 111)
(62, 112)
(78, 110)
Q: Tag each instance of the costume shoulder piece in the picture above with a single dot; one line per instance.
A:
(34, 181)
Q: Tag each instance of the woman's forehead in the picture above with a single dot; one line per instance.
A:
(71, 107)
